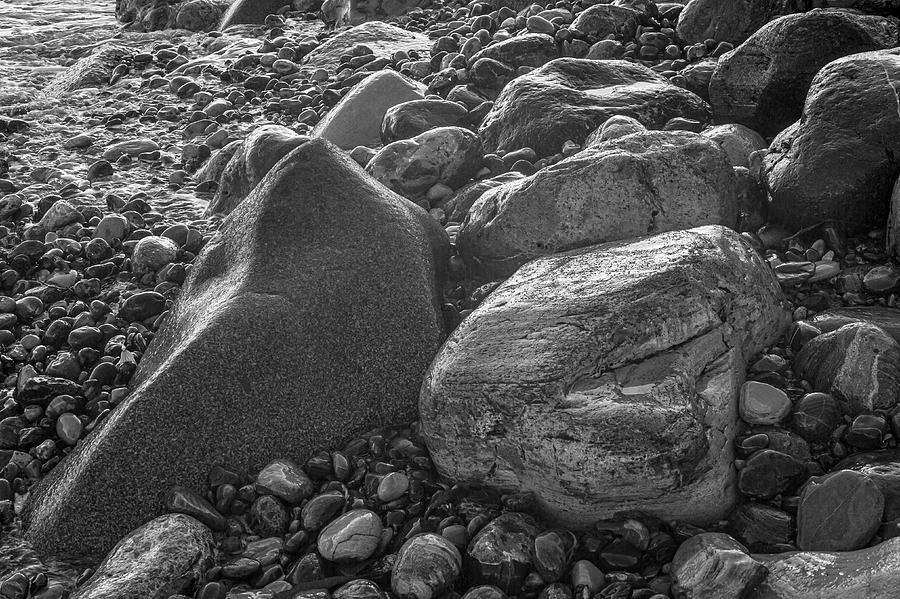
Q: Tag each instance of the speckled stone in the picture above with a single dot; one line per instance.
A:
(258, 295)
(353, 537)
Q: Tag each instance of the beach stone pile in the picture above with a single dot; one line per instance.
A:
(493, 300)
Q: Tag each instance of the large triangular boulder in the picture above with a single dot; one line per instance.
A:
(568, 98)
(309, 318)
(763, 83)
(730, 20)
(607, 378)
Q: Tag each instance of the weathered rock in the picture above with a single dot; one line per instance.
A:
(634, 185)
(738, 142)
(763, 83)
(251, 161)
(164, 557)
(761, 526)
(409, 119)
(883, 468)
(528, 50)
(447, 155)
(501, 554)
(606, 378)
(613, 128)
(382, 38)
(729, 20)
(712, 565)
(873, 573)
(300, 289)
(356, 120)
(461, 202)
(816, 416)
(152, 253)
(285, 480)
(91, 71)
(858, 364)
(427, 566)
(568, 98)
(769, 472)
(834, 164)
(252, 12)
(129, 147)
(199, 15)
(839, 512)
(602, 20)
(213, 168)
(887, 319)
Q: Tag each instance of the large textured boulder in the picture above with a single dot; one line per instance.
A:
(251, 161)
(627, 187)
(873, 573)
(528, 50)
(568, 98)
(310, 317)
(382, 38)
(883, 468)
(166, 556)
(357, 118)
(738, 142)
(251, 12)
(840, 160)
(887, 319)
(730, 20)
(154, 15)
(763, 83)
(606, 379)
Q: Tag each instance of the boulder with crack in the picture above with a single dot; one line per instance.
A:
(606, 378)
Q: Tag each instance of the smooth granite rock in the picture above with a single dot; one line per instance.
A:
(839, 512)
(301, 288)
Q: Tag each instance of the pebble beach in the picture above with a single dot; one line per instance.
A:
(447, 300)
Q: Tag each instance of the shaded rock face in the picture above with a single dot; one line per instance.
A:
(887, 319)
(528, 50)
(357, 119)
(461, 202)
(839, 512)
(738, 142)
(859, 364)
(712, 565)
(251, 12)
(569, 98)
(253, 159)
(213, 168)
(763, 83)
(730, 20)
(883, 468)
(841, 160)
(301, 287)
(382, 38)
(90, 71)
(873, 573)
(606, 378)
(166, 556)
(635, 185)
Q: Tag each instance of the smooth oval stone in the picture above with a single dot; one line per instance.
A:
(359, 589)
(761, 526)
(353, 537)
(112, 227)
(867, 431)
(186, 501)
(585, 575)
(393, 486)
(816, 416)
(285, 480)
(484, 592)
(839, 512)
(761, 403)
(265, 551)
(321, 509)
(553, 550)
(883, 467)
(69, 428)
(141, 306)
(152, 253)
(427, 566)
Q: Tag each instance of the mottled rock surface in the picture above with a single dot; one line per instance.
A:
(606, 378)
(382, 38)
